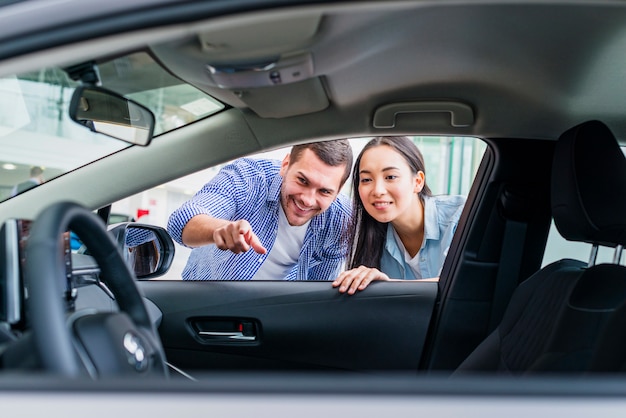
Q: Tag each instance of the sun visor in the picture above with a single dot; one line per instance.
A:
(273, 88)
(286, 100)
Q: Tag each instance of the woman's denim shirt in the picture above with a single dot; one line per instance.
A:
(441, 216)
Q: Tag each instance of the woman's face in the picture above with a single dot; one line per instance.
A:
(387, 187)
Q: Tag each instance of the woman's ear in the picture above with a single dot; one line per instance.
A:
(420, 180)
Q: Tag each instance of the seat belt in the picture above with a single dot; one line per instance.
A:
(514, 211)
(510, 263)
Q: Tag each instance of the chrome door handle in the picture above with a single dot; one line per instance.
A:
(232, 335)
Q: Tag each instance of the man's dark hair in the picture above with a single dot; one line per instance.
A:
(36, 171)
(334, 153)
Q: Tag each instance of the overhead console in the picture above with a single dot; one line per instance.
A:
(273, 72)
(264, 65)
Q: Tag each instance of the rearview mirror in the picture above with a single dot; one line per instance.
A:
(109, 113)
(147, 249)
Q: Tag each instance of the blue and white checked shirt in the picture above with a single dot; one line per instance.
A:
(250, 189)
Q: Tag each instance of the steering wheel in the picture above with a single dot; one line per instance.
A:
(99, 343)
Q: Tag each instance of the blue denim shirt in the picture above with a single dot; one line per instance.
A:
(250, 189)
(441, 216)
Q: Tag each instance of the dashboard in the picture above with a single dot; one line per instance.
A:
(82, 284)
(14, 235)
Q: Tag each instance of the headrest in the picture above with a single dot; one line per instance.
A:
(589, 186)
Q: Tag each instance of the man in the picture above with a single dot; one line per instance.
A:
(267, 220)
(36, 178)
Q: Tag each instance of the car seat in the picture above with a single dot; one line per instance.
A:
(557, 319)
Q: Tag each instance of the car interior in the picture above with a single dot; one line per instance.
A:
(554, 319)
(259, 80)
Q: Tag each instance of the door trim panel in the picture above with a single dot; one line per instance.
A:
(296, 325)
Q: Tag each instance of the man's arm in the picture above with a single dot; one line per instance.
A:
(199, 230)
(213, 215)
(236, 236)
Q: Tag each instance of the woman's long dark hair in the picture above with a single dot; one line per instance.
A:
(366, 237)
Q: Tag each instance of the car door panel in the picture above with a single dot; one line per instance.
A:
(292, 325)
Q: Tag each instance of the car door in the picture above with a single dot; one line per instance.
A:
(277, 325)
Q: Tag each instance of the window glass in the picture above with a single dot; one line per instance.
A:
(38, 140)
(173, 102)
(558, 247)
(451, 164)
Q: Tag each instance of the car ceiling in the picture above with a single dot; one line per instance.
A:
(527, 70)
(524, 69)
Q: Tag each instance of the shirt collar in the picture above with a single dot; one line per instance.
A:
(431, 223)
(391, 245)
(273, 194)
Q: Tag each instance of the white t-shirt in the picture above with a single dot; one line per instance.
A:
(412, 262)
(285, 252)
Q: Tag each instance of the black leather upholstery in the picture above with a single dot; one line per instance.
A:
(557, 319)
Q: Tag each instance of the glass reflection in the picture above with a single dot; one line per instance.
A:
(142, 250)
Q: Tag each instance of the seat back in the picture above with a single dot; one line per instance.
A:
(556, 318)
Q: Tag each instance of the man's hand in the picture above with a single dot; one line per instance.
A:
(237, 237)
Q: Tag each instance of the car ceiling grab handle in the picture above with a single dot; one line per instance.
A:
(461, 114)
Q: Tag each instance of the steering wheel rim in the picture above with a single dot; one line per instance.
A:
(54, 338)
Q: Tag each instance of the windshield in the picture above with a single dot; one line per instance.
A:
(173, 102)
(38, 140)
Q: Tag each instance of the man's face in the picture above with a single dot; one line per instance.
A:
(309, 187)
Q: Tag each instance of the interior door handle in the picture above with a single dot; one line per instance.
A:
(236, 335)
(225, 330)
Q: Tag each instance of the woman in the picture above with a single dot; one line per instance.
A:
(399, 230)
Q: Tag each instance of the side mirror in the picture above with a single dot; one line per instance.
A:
(148, 249)
(109, 113)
